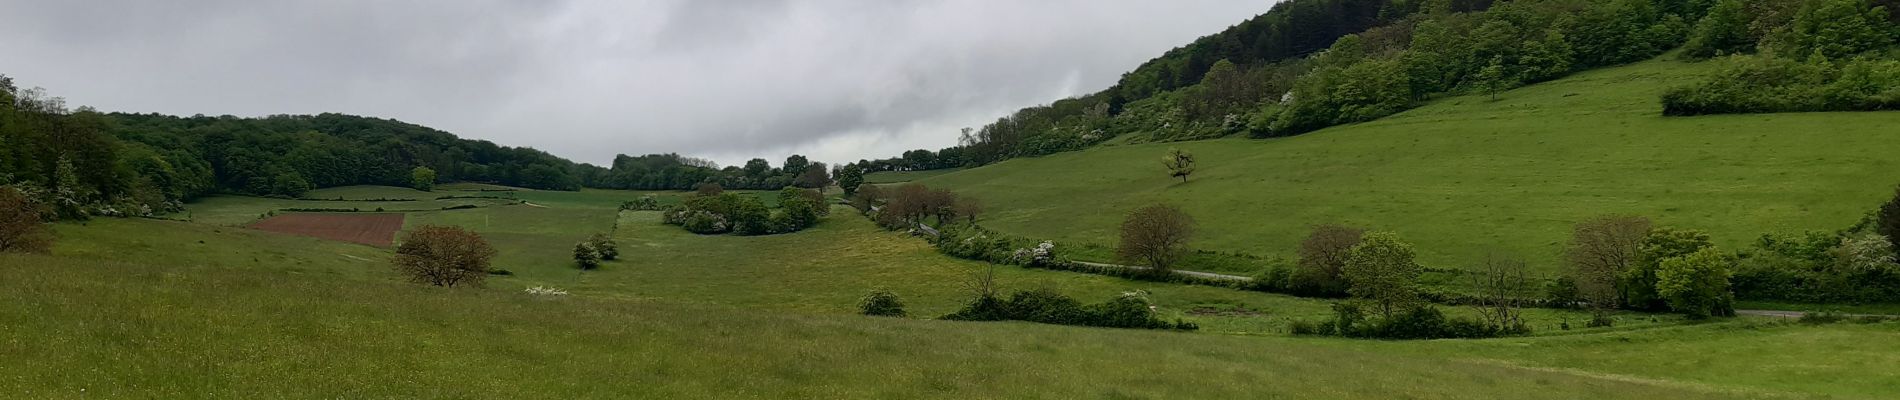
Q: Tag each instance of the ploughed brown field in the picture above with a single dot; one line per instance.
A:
(370, 229)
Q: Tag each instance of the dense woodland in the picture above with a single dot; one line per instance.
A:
(1310, 64)
(84, 162)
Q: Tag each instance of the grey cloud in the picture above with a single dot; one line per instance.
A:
(838, 80)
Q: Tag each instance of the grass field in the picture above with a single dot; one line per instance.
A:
(144, 308)
(903, 176)
(1465, 176)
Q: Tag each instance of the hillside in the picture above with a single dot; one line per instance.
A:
(1463, 176)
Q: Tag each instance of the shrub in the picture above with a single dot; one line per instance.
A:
(708, 189)
(1697, 284)
(605, 245)
(586, 256)
(443, 256)
(881, 303)
(1415, 323)
(1130, 310)
(1821, 318)
(722, 213)
(23, 223)
(644, 203)
(813, 199)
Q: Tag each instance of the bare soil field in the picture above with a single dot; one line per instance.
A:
(370, 229)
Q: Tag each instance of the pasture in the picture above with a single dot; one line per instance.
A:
(1464, 177)
(199, 310)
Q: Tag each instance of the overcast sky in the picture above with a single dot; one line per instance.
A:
(727, 80)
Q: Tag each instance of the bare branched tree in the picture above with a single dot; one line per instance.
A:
(1503, 282)
(1600, 250)
(443, 256)
(982, 283)
(1323, 255)
(1156, 236)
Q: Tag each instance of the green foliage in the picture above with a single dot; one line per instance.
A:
(1723, 31)
(1836, 29)
(746, 214)
(1639, 284)
(849, 177)
(1180, 163)
(1414, 323)
(586, 256)
(1887, 220)
(1129, 310)
(1381, 269)
(1765, 84)
(881, 303)
(604, 245)
(422, 178)
(644, 203)
(1697, 284)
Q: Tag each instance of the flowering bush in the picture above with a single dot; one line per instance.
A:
(545, 291)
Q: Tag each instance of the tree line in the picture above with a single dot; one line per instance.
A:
(84, 162)
(1310, 64)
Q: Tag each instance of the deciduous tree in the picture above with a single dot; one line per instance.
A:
(422, 178)
(1382, 271)
(1180, 163)
(1697, 284)
(443, 256)
(1600, 250)
(1155, 236)
(1322, 258)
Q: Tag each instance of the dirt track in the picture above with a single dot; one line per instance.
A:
(370, 229)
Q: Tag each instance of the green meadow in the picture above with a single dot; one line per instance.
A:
(151, 308)
(1464, 176)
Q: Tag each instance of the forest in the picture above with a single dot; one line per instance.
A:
(86, 162)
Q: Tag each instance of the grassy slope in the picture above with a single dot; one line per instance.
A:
(112, 330)
(1465, 176)
(903, 176)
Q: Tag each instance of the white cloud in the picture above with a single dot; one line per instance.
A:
(730, 80)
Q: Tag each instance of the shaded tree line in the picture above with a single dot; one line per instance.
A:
(676, 172)
(84, 162)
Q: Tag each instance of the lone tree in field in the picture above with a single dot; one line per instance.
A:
(443, 256)
(586, 256)
(1601, 249)
(1180, 163)
(1381, 270)
(22, 225)
(1323, 256)
(1155, 236)
(422, 178)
